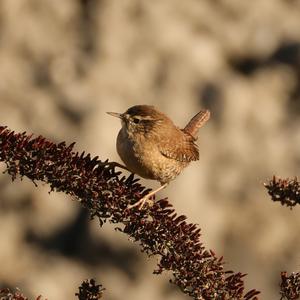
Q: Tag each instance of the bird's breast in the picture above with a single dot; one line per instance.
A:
(141, 155)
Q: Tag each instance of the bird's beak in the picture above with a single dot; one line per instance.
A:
(114, 114)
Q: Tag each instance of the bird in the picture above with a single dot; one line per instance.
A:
(152, 146)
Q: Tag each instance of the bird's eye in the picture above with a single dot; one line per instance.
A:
(136, 120)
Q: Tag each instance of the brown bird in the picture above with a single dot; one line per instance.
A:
(151, 146)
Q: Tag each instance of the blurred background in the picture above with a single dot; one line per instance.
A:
(63, 64)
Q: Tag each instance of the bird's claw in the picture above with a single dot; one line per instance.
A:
(140, 203)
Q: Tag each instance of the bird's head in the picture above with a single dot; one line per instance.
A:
(141, 119)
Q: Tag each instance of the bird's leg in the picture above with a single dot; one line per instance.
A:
(146, 198)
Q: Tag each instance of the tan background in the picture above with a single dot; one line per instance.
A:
(63, 64)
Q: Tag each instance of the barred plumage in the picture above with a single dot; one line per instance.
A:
(151, 145)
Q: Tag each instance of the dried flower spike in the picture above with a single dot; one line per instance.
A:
(159, 231)
(290, 286)
(286, 191)
(89, 290)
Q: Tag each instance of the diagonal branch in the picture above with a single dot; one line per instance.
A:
(99, 187)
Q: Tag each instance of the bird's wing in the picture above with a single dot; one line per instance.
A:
(180, 146)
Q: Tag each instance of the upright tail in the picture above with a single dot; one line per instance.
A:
(197, 122)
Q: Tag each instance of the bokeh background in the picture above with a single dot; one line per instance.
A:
(63, 64)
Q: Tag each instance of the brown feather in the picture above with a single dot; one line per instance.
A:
(180, 147)
(197, 122)
(151, 145)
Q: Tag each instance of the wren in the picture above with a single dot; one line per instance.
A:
(151, 146)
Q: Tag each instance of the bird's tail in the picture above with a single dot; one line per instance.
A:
(197, 122)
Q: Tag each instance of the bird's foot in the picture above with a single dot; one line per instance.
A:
(146, 198)
(140, 203)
